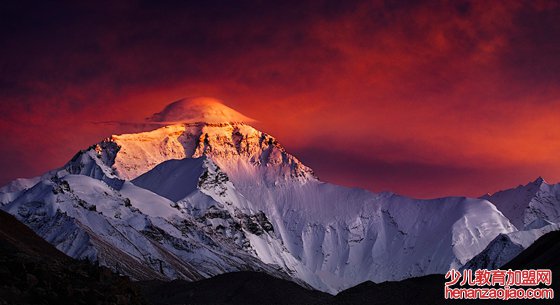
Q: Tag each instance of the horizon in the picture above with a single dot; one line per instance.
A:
(425, 100)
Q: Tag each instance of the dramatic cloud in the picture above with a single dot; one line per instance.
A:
(198, 109)
(423, 98)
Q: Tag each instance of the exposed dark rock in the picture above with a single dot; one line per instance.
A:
(33, 272)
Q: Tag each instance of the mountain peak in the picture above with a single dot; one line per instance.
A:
(198, 110)
(539, 181)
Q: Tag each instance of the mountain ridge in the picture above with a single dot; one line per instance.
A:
(193, 200)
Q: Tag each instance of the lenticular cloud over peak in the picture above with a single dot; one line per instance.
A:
(199, 109)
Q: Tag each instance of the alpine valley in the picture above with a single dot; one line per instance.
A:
(207, 194)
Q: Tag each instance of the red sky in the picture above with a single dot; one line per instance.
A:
(425, 99)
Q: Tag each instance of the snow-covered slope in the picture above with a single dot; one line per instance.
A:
(12, 190)
(506, 247)
(536, 203)
(334, 237)
(132, 230)
(533, 208)
(173, 179)
(195, 199)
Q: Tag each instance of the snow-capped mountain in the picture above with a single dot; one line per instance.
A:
(194, 199)
(529, 206)
(506, 247)
(533, 208)
(132, 230)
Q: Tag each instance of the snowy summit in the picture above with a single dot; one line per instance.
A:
(197, 110)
